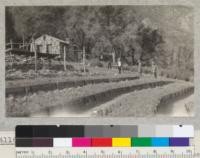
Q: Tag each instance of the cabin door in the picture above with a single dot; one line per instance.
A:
(39, 48)
(49, 49)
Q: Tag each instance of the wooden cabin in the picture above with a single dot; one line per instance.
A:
(50, 45)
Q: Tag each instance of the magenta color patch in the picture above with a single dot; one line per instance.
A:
(81, 142)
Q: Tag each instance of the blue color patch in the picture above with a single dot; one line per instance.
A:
(160, 142)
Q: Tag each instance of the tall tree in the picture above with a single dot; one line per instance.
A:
(149, 39)
(29, 21)
(10, 31)
(113, 21)
(81, 26)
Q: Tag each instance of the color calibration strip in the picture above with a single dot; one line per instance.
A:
(103, 142)
(104, 136)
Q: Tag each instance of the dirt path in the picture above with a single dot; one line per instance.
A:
(63, 113)
(177, 108)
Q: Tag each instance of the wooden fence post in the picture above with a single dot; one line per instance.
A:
(113, 56)
(11, 44)
(84, 59)
(23, 44)
(35, 54)
(12, 60)
(64, 58)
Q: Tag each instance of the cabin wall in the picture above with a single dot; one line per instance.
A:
(48, 45)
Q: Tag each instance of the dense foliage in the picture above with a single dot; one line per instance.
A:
(132, 32)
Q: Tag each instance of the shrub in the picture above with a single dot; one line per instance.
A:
(181, 74)
(96, 63)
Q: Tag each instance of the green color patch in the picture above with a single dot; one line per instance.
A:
(141, 142)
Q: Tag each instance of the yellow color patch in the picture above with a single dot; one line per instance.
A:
(121, 142)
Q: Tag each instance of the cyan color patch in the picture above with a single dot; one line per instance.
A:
(160, 142)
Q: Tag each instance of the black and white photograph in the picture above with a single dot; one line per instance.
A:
(99, 61)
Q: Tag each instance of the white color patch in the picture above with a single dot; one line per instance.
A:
(62, 142)
(183, 131)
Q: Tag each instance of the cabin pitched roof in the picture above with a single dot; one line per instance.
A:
(60, 40)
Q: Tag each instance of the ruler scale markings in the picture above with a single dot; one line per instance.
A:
(119, 142)
(110, 156)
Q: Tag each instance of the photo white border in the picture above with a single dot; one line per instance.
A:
(10, 123)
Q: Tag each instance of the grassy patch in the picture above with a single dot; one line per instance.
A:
(22, 106)
(144, 102)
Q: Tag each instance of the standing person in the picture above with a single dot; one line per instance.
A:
(154, 69)
(119, 64)
(109, 64)
(32, 45)
(139, 68)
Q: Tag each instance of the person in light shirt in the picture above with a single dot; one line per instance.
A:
(119, 65)
(139, 68)
(154, 69)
